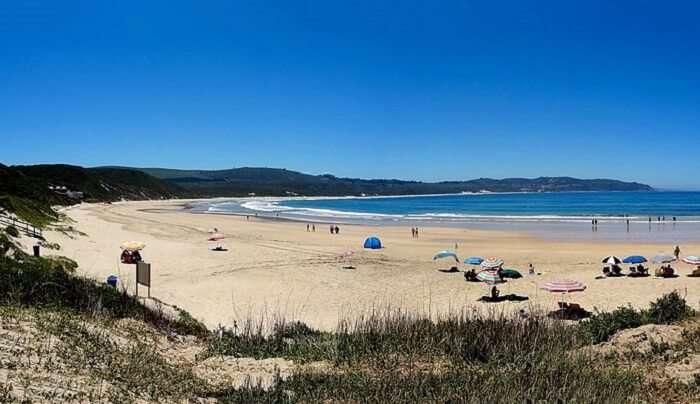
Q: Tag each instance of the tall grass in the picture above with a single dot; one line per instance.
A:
(397, 356)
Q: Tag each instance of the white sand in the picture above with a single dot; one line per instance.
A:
(276, 267)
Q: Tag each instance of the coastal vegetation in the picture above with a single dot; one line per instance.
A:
(281, 182)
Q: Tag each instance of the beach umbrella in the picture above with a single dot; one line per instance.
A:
(474, 261)
(216, 237)
(612, 260)
(510, 273)
(634, 259)
(489, 276)
(133, 245)
(692, 260)
(445, 254)
(492, 263)
(663, 259)
(563, 286)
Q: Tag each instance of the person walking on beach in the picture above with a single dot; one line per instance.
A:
(337, 230)
(531, 269)
(307, 227)
(677, 252)
(313, 228)
(416, 232)
(332, 229)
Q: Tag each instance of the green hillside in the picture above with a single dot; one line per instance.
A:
(25, 190)
(276, 182)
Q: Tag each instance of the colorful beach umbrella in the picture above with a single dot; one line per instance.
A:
(563, 286)
(612, 260)
(474, 261)
(445, 254)
(663, 259)
(216, 237)
(634, 259)
(492, 263)
(692, 260)
(489, 276)
(133, 245)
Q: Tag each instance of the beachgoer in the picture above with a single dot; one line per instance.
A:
(307, 227)
(413, 232)
(332, 229)
(416, 232)
(337, 230)
(313, 228)
(677, 252)
(494, 293)
(531, 269)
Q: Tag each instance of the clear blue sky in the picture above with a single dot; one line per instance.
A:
(427, 90)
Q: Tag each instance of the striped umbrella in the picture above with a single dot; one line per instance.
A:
(492, 263)
(692, 260)
(445, 254)
(663, 259)
(612, 260)
(563, 286)
(489, 276)
(474, 261)
(133, 245)
(216, 237)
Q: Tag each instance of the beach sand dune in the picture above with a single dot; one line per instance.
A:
(277, 268)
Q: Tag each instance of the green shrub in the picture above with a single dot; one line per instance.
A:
(669, 308)
(601, 326)
(12, 231)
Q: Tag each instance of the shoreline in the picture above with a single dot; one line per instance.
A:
(553, 227)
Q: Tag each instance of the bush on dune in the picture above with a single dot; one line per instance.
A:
(49, 282)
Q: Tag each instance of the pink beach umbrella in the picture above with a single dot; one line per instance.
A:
(564, 286)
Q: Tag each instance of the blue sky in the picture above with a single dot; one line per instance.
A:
(414, 89)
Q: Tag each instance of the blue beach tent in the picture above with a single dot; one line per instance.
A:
(373, 243)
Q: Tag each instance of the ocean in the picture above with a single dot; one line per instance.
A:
(549, 214)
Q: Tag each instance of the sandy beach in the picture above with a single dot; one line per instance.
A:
(278, 268)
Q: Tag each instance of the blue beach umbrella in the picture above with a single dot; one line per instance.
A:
(474, 261)
(445, 254)
(634, 259)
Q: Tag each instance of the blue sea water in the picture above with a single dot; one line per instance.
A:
(640, 205)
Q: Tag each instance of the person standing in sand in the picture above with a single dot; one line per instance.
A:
(313, 228)
(677, 252)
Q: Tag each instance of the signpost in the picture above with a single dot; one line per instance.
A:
(143, 276)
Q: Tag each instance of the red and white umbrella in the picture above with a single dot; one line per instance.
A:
(564, 286)
(216, 237)
(492, 263)
(692, 260)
